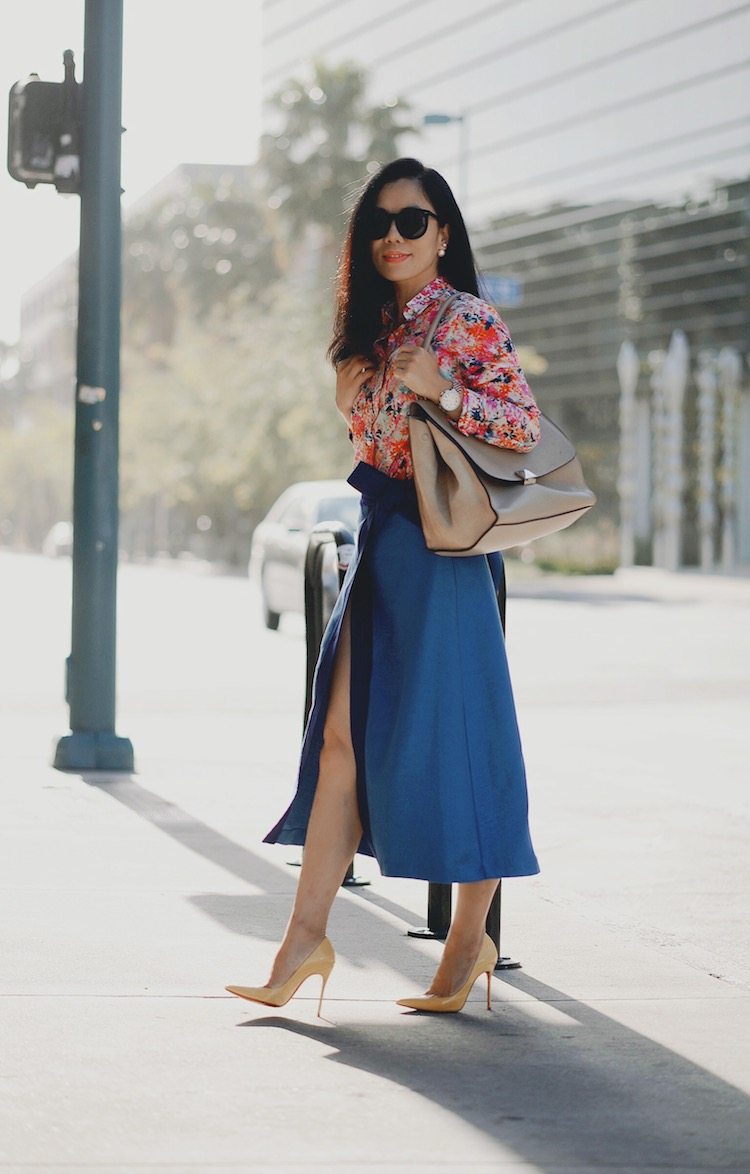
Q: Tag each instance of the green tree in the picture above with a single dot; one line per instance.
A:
(328, 138)
(218, 424)
(35, 473)
(227, 395)
(205, 247)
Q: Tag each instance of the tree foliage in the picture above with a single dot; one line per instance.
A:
(205, 246)
(329, 138)
(226, 396)
(226, 418)
(35, 473)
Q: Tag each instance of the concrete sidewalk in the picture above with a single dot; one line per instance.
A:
(128, 903)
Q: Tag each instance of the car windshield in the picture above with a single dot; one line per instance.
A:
(340, 509)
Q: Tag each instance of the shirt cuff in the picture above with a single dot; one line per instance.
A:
(472, 407)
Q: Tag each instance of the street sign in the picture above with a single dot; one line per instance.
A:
(501, 291)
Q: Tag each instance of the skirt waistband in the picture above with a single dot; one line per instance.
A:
(381, 492)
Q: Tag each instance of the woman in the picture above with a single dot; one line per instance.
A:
(411, 751)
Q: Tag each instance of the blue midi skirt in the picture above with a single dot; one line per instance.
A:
(441, 784)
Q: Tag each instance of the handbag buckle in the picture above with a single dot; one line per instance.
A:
(527, 476)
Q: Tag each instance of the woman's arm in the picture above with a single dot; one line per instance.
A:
(475, 350)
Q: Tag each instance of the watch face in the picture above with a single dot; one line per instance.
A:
(450, 399)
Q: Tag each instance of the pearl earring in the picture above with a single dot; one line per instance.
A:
(441, 251)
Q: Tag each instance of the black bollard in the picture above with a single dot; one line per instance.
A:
(439, 904)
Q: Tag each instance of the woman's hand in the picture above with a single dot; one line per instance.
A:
(351, 374)
(419, 371)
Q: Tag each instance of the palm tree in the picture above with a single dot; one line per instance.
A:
(329, 138)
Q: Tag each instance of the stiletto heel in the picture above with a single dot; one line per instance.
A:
(320, 961)
(322, 992)
(485, 964)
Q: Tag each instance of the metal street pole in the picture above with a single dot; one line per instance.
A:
(93, 743)
(675, 374)
(628, 368)
(463, 161)
(729, 366)
(656, 361)
(707, 379)
(439, 119)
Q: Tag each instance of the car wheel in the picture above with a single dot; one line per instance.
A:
(270, 618)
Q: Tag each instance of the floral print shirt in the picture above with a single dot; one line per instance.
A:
(474, 350)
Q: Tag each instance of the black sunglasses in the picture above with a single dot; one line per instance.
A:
(411, 222)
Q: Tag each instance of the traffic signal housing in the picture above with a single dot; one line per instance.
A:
(44, 131)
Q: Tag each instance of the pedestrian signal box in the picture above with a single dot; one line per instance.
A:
(44, 131)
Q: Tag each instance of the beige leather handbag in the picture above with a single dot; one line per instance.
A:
(474, 497)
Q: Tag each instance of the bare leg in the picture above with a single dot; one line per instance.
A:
(334, 830)
(465, 936)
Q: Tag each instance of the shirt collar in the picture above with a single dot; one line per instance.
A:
(421, 300)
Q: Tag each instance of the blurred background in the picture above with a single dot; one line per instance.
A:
(600, 151)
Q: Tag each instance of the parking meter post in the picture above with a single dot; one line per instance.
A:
(322, 536)
(313, 615)
(93, 744)
(439, 908)
(502, 595)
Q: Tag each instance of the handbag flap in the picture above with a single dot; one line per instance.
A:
(552, 450)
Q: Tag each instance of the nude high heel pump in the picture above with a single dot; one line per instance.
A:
(485, 964)
(320, 961)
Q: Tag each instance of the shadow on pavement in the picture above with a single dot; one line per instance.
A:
(234, 912)
(551, 1078)
(584, 1092)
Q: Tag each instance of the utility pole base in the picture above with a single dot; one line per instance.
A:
(92, 750)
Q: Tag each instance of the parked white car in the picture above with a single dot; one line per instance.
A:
(277, 555)
(59, 540)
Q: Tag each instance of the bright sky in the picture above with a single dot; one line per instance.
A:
(190, 95)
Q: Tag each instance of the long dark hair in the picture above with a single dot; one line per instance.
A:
(361, 291)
